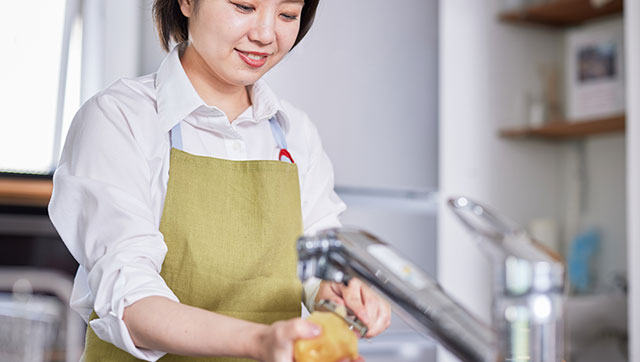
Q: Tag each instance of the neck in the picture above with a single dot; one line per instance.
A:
(231, 99)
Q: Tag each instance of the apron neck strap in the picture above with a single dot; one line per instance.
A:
(278, 135)
(176, 136)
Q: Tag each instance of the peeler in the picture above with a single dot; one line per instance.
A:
(325, 305)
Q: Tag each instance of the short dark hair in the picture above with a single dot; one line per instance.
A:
(171, 24)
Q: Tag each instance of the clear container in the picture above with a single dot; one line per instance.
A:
(30, 328)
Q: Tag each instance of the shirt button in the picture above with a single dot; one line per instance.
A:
(237, 146)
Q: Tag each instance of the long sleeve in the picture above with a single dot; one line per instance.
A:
(102, 208)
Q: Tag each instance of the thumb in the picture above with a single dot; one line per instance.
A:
(305, 329)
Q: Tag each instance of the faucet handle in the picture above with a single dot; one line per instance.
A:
(479, 220)
(344, 313)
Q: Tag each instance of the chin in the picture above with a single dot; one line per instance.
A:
(246, 81)
(249, 80)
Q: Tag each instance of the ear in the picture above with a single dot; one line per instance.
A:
(187, 7)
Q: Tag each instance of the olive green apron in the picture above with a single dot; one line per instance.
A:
(230, 228)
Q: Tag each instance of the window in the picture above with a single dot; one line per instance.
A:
(40, 82)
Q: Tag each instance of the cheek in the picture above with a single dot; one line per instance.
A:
(220, 32)
(232, 28)
(287, 36)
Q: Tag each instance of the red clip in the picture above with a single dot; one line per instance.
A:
(286, 155)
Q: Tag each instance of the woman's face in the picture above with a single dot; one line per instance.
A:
(240, 40)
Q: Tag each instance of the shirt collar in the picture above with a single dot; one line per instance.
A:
(266, 104)
(177, 98)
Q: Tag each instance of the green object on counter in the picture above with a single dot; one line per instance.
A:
(230, 228)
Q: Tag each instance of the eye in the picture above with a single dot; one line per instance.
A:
(244, 8)
(289, 17)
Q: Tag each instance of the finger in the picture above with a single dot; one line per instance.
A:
(382, 320)
(336, 288)
(303, 329)
(385, 316)
(378, 309)
(380, 323)
(372, 303)
(330, 291)
(336, 292)
(352, 296)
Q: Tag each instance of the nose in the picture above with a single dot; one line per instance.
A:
(263, 30)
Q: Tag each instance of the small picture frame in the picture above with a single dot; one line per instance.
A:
(594, 65)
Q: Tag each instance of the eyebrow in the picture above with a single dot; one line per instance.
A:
(293, 1)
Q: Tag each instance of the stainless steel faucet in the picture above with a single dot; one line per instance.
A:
(528, 292)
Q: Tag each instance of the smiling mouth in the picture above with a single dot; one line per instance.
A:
(253, 59)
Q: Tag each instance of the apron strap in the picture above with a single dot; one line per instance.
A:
(278, 135)
(176, 136)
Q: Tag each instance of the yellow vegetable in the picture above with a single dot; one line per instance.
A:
(336, 342)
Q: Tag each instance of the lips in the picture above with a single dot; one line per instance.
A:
(253, 59)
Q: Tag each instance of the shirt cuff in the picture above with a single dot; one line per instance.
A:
(111, 326)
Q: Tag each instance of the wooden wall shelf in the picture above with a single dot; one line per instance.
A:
(568, 130)
(561, 13)
(25, 191)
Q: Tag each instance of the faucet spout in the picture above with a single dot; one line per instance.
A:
(528, 299)
(340, 254)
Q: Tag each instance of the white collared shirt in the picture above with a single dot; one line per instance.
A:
(111, 182)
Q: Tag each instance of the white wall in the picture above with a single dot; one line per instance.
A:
(632, 35)
(111, 42)
(367, 76)
(152, 53)
(485, 68)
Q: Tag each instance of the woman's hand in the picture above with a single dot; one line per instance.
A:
(276, 341)
(372, 310)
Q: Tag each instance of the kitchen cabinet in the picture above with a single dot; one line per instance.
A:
(27, 236)
(25, 191)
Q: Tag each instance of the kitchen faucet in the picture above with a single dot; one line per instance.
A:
(528, 291)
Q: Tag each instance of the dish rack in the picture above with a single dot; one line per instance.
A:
(36, 322)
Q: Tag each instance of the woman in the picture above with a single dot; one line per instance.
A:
(181, 194)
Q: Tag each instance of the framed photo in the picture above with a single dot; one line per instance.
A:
(595, 71)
